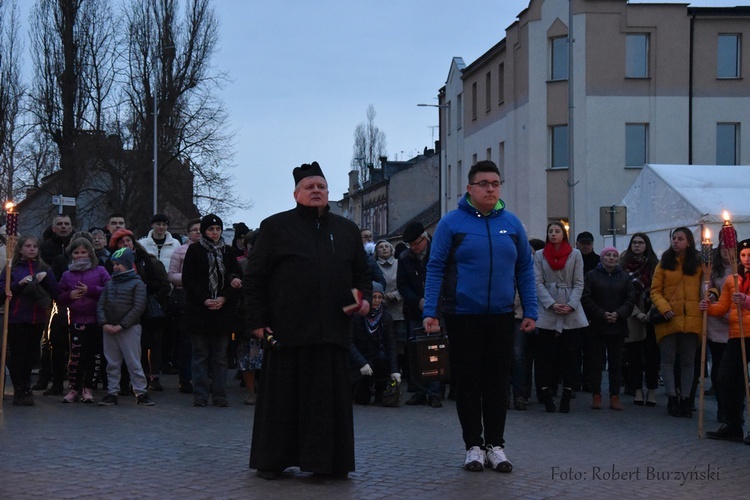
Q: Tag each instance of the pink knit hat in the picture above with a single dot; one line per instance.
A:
(609, 249)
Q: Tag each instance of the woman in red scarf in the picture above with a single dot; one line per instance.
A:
(559, 286)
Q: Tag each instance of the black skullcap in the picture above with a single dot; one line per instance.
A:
(413, 231)
(307, 170)
(210, 220)
(743, 244)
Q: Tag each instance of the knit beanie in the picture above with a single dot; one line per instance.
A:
(124, 256)
(210, 220)
(609, 249)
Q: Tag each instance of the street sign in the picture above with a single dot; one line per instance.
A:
(64, 201)
(613, 220)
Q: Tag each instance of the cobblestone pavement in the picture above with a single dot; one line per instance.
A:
(172, 450)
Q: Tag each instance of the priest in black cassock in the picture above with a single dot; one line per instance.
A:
(298, 280)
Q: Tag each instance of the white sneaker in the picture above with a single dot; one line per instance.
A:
(475, 459)
(497, 459)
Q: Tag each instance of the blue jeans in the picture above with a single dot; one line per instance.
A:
(210, 354)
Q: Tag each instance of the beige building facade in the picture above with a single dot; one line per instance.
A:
(652, 83)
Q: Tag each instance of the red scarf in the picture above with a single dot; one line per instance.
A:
(556, 258)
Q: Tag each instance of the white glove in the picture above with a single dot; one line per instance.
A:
(366, 370)
(397, 377)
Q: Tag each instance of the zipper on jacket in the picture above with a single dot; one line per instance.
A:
(333, 247)
(489, 281)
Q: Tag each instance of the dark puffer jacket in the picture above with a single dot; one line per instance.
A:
(122, 301)
(605, 291)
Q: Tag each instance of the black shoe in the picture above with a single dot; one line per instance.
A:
(144, 400)
(200, 403)
(155, 385)
(55, 390)
(23, 398)
(565, 400)
(416, 400)
(673, 406)
(435, 402)
(186, 388)
(221, 403)
(108, 400)
(520, 403)
(747, 439)
(546, 398)
(269, 475)
(727, 433)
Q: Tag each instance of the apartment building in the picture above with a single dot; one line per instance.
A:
(651, 83)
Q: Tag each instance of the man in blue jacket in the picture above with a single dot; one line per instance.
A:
(480, 256)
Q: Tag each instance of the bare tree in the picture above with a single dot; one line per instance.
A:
(169, 55)
(369, 145)
(12, 94)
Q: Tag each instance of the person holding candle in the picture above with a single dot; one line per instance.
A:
(676, 293)
(717, 330)
(731, 379)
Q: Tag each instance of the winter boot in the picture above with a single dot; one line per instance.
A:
(673, 406)
(686, 408)
(549, 403)
(565, 400)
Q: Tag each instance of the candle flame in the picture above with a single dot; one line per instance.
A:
(707, 234)
(9, 205)
(725, 215)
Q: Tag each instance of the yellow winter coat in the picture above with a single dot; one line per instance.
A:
(681, 294)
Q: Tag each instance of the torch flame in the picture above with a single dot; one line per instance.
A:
(707, 234)
(725, 215)
(9, 205)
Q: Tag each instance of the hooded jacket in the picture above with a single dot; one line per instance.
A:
(671, 290)
(122, 301)
(477, 261)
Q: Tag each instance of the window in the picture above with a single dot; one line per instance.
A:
(448, 183)
(488, 91)
(459, 178)
(501, 159)
(449, 117)
(501, 83)
(474, 159)
(489, 154)
(559, 58)
(636, 55)
(459, 111)
(474, 101)
(728, 56)
(727, 144)
(636, 144)
(559, 143)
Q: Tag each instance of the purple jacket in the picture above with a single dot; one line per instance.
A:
(83, 310)
(30, 303)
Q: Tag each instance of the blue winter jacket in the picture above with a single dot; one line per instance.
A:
(476, 263)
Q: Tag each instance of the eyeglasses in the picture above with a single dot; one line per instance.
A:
(486, 184)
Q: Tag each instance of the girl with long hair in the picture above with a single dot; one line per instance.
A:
(676, 293)
(641, 350)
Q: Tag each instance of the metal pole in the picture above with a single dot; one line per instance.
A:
(156, 138)
(571, 156)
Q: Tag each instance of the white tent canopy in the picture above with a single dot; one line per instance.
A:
(664, 197)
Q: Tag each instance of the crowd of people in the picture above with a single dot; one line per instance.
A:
(524, 317)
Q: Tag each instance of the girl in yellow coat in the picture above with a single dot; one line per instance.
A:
(675, 291)
(731, 377)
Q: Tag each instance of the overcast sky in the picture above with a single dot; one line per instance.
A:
(302, 74)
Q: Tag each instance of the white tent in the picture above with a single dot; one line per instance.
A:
(664, 197)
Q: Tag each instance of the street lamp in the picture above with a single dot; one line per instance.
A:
(435, 105)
